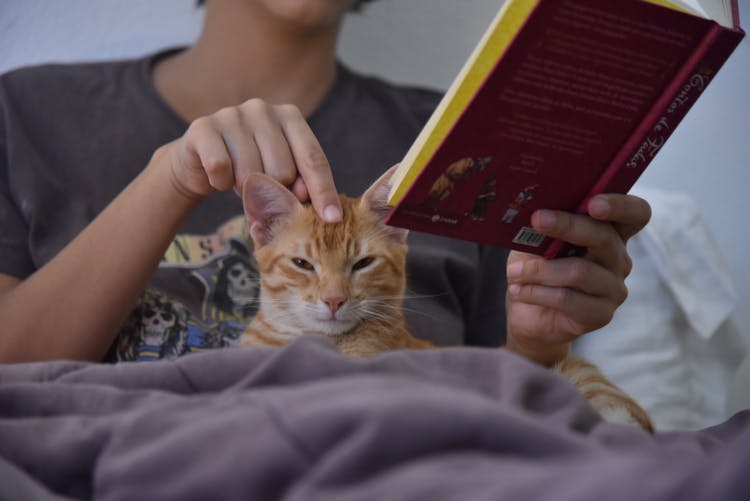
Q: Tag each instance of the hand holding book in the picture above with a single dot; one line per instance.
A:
(551, 302)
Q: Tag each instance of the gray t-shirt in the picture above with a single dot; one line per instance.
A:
(73, 136)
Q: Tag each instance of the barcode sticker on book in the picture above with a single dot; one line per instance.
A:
(528, 236)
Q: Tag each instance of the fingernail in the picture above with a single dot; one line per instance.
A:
(514, 271)
(599, 207)
(332, 214)
(546, 220)
(514, 289)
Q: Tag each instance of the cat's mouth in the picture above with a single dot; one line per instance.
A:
(335, 326)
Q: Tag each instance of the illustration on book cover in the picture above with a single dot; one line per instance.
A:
(466, 189)
(521, 201)
(451, 179)
(486, 195)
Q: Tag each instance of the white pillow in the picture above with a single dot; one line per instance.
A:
(672, 345)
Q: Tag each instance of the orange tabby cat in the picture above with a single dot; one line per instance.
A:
(346, 281)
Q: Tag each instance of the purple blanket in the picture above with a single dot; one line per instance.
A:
(305, 423)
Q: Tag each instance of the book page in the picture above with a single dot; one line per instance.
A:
(681, 5)
(718, 10)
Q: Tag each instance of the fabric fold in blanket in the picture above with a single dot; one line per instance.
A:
(303, 422)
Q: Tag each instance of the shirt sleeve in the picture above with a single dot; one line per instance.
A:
(15, 258)
(486, 320)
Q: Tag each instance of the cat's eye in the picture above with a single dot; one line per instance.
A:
(363, 263)
(302, 264)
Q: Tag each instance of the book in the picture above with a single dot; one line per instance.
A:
(560, 100)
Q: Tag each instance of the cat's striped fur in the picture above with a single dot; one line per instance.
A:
(603, 395)
(347, 281)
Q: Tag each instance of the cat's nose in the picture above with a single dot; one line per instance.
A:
(334, 303)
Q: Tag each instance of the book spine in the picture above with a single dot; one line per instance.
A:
(736, 14)
(660, 121)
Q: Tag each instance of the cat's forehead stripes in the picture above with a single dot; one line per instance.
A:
(337, 237)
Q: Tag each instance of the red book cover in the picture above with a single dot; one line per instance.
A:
(579, 104)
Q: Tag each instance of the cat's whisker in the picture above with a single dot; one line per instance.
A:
(277, 302)
(248, 302)
(371, 314)
(397, 307)
(402, 297)
(425, 296)
(415, 311)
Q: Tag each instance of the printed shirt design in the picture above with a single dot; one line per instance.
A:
(202, 295)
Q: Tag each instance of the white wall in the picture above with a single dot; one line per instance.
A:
(37, 31)
(424, 42)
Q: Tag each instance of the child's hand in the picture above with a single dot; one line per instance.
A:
(552, 302)
(218, 151)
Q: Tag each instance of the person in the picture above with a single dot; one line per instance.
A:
(119, 183)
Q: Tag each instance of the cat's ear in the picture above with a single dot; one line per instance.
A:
(376, 200)
(266, 203)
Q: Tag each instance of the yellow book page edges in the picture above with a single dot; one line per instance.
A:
(493, 44)
(673, 6)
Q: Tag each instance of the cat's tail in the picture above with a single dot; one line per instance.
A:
(608, 399)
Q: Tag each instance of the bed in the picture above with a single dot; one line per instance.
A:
(304, 422)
